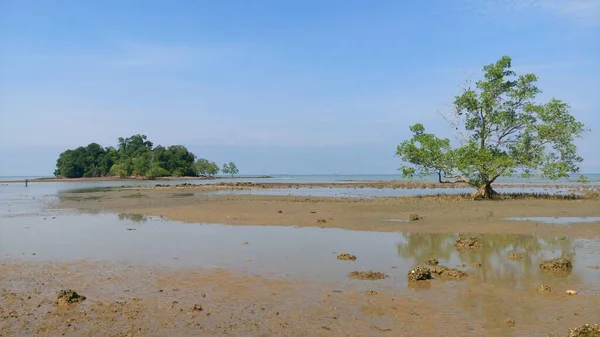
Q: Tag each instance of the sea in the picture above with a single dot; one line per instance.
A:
(593, 178)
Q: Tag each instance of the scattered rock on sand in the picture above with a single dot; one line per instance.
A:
(68, 296)
(514, 256)
(448, 273)
(367, 275)
(419, 273)
(432, 262)
(585, 331)
(414, 217)
(468, 243)
(346, 257)
(544, 289)
(559, 264)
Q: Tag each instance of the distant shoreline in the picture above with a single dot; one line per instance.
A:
(54, 179)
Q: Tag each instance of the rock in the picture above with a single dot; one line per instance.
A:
(371, 293)
(346, 257)
(571, 292)
(585, 331)
(468, 243)
(68, 296)
(321, 221)
(544, 289)
(419, 273)
(280, 211)
(558, 265)
(510, 322)
(367, 275)
(197, 308)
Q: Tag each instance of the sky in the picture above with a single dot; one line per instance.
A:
(297, 87)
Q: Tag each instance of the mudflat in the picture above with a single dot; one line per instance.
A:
(449, 214)
(138, 300)
(527, 278)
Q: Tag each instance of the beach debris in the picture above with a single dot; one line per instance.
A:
(367, 275)
(414, 217)
(571, 292)
(346, 257)
(594, 267)
(321, 221)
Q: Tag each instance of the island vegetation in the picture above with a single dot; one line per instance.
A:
(502, 130)
(136, 156)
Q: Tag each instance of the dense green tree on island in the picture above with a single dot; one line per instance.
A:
(205, 167)
(134, 156)
(230, 168)
(503, 130)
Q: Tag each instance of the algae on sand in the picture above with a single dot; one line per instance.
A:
(557, 265)
(68, 297)
(367, 275)
(468, 243)
(585, 331)
(419, 273)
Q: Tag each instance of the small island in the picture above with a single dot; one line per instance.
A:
(136, 157)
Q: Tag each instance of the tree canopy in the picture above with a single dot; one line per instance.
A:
(502, 130)
(134, 156)
(230, 168)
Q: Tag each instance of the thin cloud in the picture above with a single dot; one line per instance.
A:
(586, 12)
(153, 55)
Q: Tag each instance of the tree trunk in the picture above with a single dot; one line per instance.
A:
(485, 192)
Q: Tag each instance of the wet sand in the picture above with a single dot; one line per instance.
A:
(138, 300)
(437, 215)
(497, 296)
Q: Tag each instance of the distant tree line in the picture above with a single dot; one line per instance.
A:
(136, 156)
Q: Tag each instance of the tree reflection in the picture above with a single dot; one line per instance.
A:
(495, 266)
(133, 217)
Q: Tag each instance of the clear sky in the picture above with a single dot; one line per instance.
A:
(277, 86)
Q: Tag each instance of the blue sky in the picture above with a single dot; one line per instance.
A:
(277, 86)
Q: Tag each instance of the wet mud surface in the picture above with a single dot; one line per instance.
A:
(435, 215)
(138, 300)
(460, 269)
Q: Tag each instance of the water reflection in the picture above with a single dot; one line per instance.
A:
(490, 263)
(133, 217)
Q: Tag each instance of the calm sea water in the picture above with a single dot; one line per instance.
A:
(594, 178)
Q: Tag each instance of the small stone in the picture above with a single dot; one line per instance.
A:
(571, 292)
(414, 217)
(510, 322)
(346, 257)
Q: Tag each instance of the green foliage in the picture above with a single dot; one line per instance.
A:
(204, 167)
(230, 168)
(425, 154)
(504, 131)
(134, 156)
